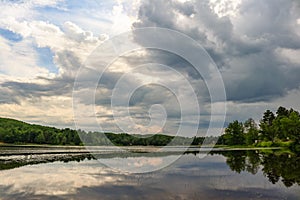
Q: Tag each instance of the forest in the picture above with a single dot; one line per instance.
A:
(274, 129)
(280, 129)
(18, 132)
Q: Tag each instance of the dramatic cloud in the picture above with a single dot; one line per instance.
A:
(255, 45)
(28, 85)
(244, 43)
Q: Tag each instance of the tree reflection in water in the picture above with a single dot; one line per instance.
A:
(275, 165)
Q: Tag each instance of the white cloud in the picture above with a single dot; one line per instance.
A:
(71, 38)
(70, 45)
(58, 112)
(23, 9)
(289, 55)
(21, 18)
(44, 34)
(68, 180)
(19, 60)
(15, 26)
(225, 7)
(244, 38)
(76, 33)
(121, 20)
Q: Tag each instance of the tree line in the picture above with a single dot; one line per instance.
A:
(274, 129)
(18, 132)
(125, 139)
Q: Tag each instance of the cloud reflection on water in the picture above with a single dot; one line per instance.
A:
(55, 178)
(187, 178)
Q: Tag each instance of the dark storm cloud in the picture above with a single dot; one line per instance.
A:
(150, 95)
(164, 14)
(16, 91)
(163, 57)
(262, 77)
(60, 85)
(146, 95)
(8, 96)
(244, 47)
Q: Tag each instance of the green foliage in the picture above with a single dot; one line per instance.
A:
(267, 129)
(265, 144)
(234, 134)
(251, 131)
(124, 139)
(281, 130)
(276, 166)
(236, 160)
(291, 126)
(283, 144)
(40, 138)
(14, 131)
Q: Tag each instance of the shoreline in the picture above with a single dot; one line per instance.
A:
(145, 146)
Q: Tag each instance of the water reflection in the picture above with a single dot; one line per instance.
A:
(220, 175)
(276, 165)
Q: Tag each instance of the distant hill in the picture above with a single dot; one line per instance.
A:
(17, 132)
(14, 131)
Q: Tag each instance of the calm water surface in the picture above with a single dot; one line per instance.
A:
(73, 174)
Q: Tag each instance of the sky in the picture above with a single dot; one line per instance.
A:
(47, 47)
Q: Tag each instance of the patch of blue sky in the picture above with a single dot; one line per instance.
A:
(90, 4)
(84, 7)
(11, 36)
(45, 59)
(89, 15)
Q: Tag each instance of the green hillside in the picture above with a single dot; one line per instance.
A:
(280, 129)
(18, 132)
